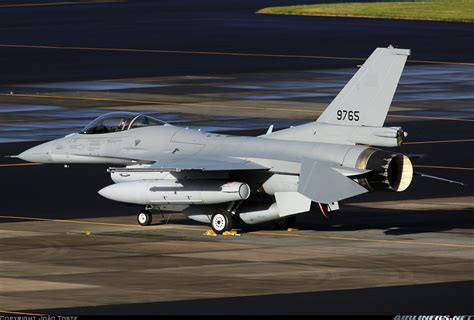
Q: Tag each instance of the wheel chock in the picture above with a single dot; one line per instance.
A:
(226, 233)
(231, 233)
(210, 233)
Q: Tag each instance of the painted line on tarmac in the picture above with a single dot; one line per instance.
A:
(198, 104)
(430, 118)
(439, 141)
(218, 53)
(156, 102)
(444, 167)
(173, 227)
(7, 312)
(71, 221)
(20, 164)
(366, 239)
(48, 96)
(64, 3)
(98, 223)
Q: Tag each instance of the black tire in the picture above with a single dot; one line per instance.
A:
(221, 221)
(285, 223)
(144, 218)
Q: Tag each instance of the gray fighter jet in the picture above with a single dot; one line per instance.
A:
(217, 178)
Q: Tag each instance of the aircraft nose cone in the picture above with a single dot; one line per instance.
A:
(40, 153)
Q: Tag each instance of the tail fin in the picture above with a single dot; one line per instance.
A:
(366, 98)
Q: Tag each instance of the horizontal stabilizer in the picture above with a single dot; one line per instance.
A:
(323, 184)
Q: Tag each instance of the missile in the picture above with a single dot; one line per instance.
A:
(148, 192)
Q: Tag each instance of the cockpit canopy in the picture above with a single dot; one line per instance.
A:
(120, 121)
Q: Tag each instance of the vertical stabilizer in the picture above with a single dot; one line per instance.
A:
(366, 98)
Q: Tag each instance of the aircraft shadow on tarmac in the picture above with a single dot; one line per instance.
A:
(350, 218)
(394, 222)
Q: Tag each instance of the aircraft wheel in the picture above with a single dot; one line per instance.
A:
(144, 218)
(285, 223)
(221, 221)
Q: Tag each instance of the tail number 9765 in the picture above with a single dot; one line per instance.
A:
(348, 115)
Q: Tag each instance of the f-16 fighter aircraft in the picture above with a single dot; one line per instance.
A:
(216, 178)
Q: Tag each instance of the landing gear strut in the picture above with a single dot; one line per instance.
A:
(221, 221)
(144, 218)
(285, 223)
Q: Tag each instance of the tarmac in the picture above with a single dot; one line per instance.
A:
(66, 250)
(95, 39)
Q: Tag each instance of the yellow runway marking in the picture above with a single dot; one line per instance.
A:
(173, 227)
(219, 53)
(46, 96)
(267, 55)
(47, 4)
(42, 96)
(20, 164)
(71, 221)
(443, 167)
(365, 239)
(25, 95)
(439, 141)
(442, 62)
(430, 118)
(21, 313)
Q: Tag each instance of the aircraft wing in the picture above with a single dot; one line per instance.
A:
(205, 164)
(180, 164)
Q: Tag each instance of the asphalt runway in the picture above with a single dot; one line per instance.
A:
(388, 300)
(186, 27)
(66, 250)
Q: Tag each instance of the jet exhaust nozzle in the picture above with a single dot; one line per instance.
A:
(389, 171)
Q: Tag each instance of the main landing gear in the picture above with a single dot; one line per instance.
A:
(145, 217)
(285, 223)
(221, 221)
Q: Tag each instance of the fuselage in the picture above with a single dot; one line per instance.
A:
(150, 144)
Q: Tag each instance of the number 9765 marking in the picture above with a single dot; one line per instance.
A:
(347, 115)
